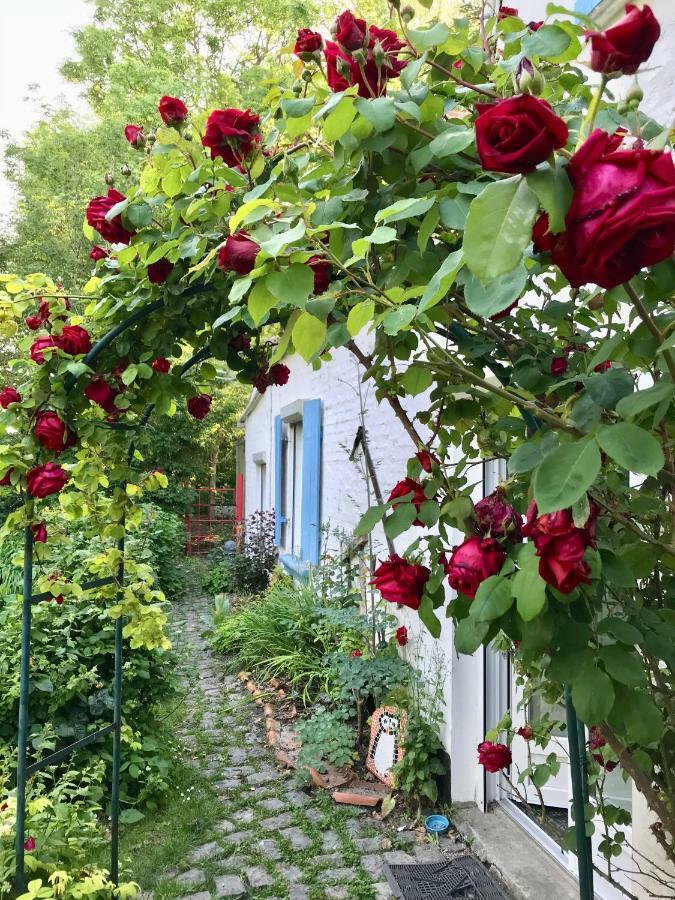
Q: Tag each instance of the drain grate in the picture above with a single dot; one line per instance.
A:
(461, 879)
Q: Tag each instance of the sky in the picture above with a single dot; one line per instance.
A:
(35, 38)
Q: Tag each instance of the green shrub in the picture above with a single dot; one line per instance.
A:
(238, 574)
(416, 773)
(327, 739)
(166, 545)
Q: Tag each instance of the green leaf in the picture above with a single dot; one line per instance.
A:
(129, 816)
(549, 41)
(400, 520)
(593, 696)
(295, 108)
(338, 121)
(292, 285)
(309, 335)
(486, 299)
(260, 301)
(493, 599)
(428, 617)
(499, 227)
(643, 721)
(129, 374)
(412, 70)
(398, 319)
(634, 404)
(607, 388)
(624, 665)
(441, 280)
(407, 208)
(369, 519)
(554, 192)
(632, 447)
(469, 634)
(565, 474)
(380, 112)
(429, 37)
(427, 228)
(525, 458)
(274, 245)
(416, 379)
(451, 141)
(359, 316)
(529, 589)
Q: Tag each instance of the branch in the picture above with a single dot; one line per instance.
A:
(643, 312)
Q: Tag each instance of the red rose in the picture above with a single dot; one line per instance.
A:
(525, 732)
(560, 546)
(542, 240)
(238, 253)
(58, 600)
(622, 215)
(5, 480)
(493, 756)
(39, 533)
(199, 406)
(495, 518)
(29, 844)
(260, 381)
(99, 392)
(350, 32)
(134, 134)
(113, 230)
(159, 271)
(497, 317)
(426, 460)
(45, 480)
(307, 43)
(516, 134)
(399, 581)
(74, 340)
(38, 347)
(603, 366)
(559, 365)
(321, 269)
(627, 44)
(409, 486)
(402, 636)
(172, 110)
(535, 26)
(356, 654)
(51, 431)
(278, 374)
(160, 365)
(97, 253)
(342, 70)
(471, 563)
(9, 395)
(596, 742)
(506, 11)
(33, 322)
(231, 134)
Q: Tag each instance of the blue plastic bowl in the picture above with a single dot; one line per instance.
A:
(436, 824)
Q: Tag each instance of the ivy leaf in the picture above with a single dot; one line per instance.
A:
(565, 474)
(493, 599)
(309, 334)
(633, 448)
(499, 227)
(593, 695)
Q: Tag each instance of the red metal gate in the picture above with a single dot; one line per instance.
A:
(211, 520)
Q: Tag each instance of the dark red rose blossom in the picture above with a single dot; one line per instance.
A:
(99, 392)
(260, 381)
(172, 110)
(559, 365)
(506, 11)
(493, 756)
(409, 486)
(516, 134)
(74, 340)
(113, 231)
(279, 374)
(525, 732)
(542, 239)
(238, 253)
(321, 269)
(33, 322)
(603, 366)
(9, 395)
(471, 563)
(342, 70)
(29, 844)
(134, 134)
(427, 460)
(231, 134)
(399, 581)
(495, 518)
(160, 365)
(159, 271)
(45, 480)
(622, 215)
(199, 406)
(402, 636)
(97, 253)
(39, 533)
(38, 347)
(356, 654)
(625, 45)
(560, 546)
(350, 32)
(240, 342)
(535, 26)
(596, 742)
(51, 431)
(307, 43)
(5, 480)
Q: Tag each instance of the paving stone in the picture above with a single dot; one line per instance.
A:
(234, 863)
(372, 863)
(328, 859)
(297, 798)
(238, 756)
(227, 784)
(245, 816)
(297, 837)
(258, 877)
(314, 815)
(406, 837)
(237, 838)
(298, 892)
(368, 845)
(229, 886)
(224, 827)
(398, 858)
(342, 874)
(202, 895)
(273, 804)
(427, 853)
(291, 873)
(191, 878)
(206, 851)
(382, 890)
(263, 777)
(269, 848)
(336, 893)
(331, 841)
(277, 822)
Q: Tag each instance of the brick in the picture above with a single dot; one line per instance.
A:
(356, 798)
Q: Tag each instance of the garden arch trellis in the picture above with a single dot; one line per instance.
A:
(24, 771)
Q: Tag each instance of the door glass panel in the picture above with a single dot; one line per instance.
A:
(538, 708)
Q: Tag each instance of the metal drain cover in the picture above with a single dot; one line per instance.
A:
(460, 879)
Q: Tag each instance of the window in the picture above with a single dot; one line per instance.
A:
(262, 481)
(293, 490)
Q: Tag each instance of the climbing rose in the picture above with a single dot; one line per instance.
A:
(5, 480)
(159, 271)
(525, 732)
(471, 563)
(51, 431)
(627, 44)
(278, 374)
(597, 742)
(238, 253)
(350, 32)
(39, 346)
(402, 636)
(321, 269)
(399, 581)
(160, 365)
(495, 518)
(99, 392)
(342, 70)
(356, 654)
(29, 844)
(506, 11)
(39, 533)
(97, 253)
(622, 215)
(231, 134)
(516, 134)
(240, 342)
(603, 366)
(409, 486)
(307, 43)
(9, 395)
(113, 231)
(493, 756)
(134, 134)
(559, 365)
(426, 459)
(560, 546)
(172, 110)
(74, 340)
(45, 480)
(199, 406)
(535, 26)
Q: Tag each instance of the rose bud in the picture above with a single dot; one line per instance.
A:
(399, 581)
(125, 170)
(559, 365)
(172, 110)
(97, 253)
(516, 134)
(45, 480)
(626, 44)
(160, 365)
(199, 406)
(356, 654)
(350, 32)
(427, 460)
(402, 636)
(238, 253)
(495, 518)
(29, 844)
(409, 486)
(493, 756)
(134, 134)
(159, 271)
(407, 13)
(39, 533)
(471, 563)
(109, 179)
(597, 742)
(9, 395)
(506, 11)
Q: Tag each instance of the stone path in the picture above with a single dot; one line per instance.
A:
(274, 840)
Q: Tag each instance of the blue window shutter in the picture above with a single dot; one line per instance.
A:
(310, 533)
(278, 481)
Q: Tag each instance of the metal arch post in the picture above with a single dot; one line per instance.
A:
(117, 726)
(577, 750)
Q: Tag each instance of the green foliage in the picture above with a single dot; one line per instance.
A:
(366, 676)
(248, 571)
(415, 773)
(165, 533)
(327, 739)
